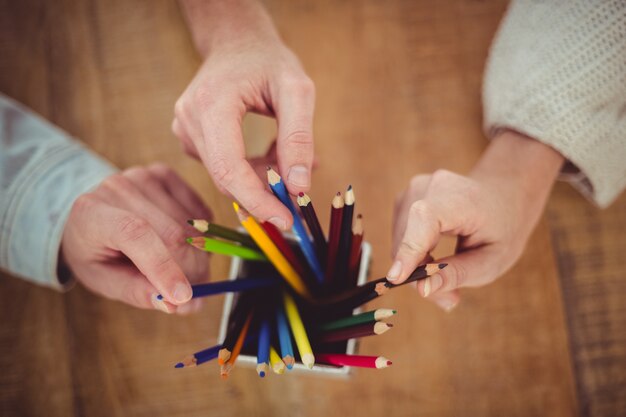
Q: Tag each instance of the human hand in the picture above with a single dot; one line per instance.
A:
(126, 239)
(246, 70)
(492, 211)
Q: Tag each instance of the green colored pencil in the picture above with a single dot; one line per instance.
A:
(223, 232)
(226, 248)
(368, 316)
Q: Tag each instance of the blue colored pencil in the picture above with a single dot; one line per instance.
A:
(280, 191)
(263, 352)
(200, 357)
(284, 338)
(235, 285)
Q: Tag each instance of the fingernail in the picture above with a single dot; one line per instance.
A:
(436, 281)
(426, 287)
(394, 271)
(447, 305)
(159, 304)
(299, 176)
(278, 222)
(182, 292)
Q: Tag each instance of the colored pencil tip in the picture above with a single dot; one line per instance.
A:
(389, 363)
(441, 266)
(262, 374)
(189, 240)
(349, 187)
(289, 366)
(190, 222)
(389, 324)
(159, 297)
(394, 311)
(235, 206)
(269, 168)
(179, 365)
(300, 194)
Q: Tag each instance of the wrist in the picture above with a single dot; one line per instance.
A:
(521, 169)
(218, 25)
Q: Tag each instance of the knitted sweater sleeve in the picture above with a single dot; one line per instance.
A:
(557, 73)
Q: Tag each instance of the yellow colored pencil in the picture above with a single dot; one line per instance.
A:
(271, 251)
(298, 330)
(277, 364)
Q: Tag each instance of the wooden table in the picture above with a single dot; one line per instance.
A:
(398, 87)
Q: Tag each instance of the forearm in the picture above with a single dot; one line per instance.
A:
(42, 171)
(216, 23)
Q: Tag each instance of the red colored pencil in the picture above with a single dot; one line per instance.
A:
(283, 246)
(355, 250)
(340, 359)
(336, 213)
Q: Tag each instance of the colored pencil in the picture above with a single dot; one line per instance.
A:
(263, 349)
(280, 191)
(367, 317)
(228, 365)
(212, 229)
(199, 358)
(353, 332)
(355, 250)
(284, 337)
(345, 240)
(235, 285)
(339, 359)
(310, 217)
(362, 294)
(236, 322)
(336, 213)
(226, 248)
(281, 243)
(299, 332)
(276, 363)
(271, 251)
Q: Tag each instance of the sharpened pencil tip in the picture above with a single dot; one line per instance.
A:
(262, 374)
(441, 266)
(389, 363)
(159, 297)
(349, 187)
(190, 222)
(179, 365)
(269, 168)
(389, 324)
(300, 194)
(189, 240)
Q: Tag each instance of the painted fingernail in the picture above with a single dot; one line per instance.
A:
(278, 222)
(159, 303)
(447, 305)
(299, 176)
(182, 292)
(394, 271)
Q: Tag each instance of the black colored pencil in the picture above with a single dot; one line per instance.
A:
(313, 223)
(345, 240)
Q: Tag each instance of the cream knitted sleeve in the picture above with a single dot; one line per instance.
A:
(557, 72)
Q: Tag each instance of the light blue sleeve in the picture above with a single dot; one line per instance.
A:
(42, 172)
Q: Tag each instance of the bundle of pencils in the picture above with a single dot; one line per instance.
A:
(296, 296)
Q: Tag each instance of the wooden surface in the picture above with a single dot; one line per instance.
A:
(398, 93)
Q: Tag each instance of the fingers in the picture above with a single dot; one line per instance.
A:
(473, 268)
(130, 234)
(415, 191)
(446, 300)
(188, 147)
(294, 111)
(181, 191)
(224, 156)
(420, 237)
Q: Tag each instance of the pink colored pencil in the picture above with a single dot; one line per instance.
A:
(341, 359)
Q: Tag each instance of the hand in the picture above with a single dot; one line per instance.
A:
(126, 239)
(248, 69)
(492, 212)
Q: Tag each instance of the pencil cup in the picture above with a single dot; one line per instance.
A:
(240, 268)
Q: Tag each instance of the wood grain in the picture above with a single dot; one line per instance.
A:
(398, 86)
